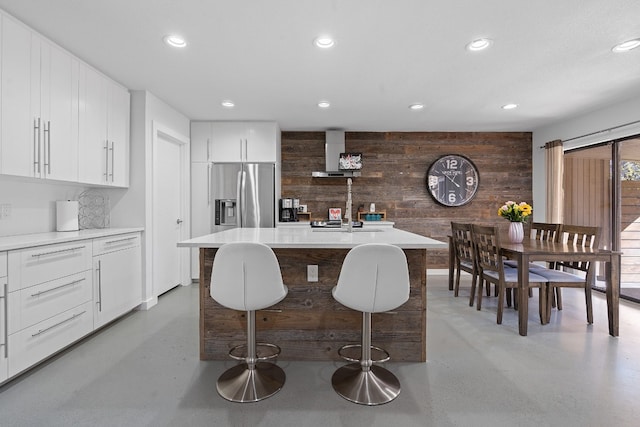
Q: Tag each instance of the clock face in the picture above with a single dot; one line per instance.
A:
(452, 180)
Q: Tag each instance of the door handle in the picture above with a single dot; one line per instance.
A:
(179, 221)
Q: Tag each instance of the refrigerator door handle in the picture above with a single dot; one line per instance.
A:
(243, 206)
(209, 184)
(239, 198)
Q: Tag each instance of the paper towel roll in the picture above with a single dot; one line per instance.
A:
(66, 215)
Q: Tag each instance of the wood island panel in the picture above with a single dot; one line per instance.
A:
(309, 324)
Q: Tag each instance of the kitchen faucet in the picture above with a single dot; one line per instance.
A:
(348, 207)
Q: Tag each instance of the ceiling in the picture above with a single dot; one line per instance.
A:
(552, 58)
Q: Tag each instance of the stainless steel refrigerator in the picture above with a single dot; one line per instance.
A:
(243, 195)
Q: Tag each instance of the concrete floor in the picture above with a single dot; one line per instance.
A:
(144, 371)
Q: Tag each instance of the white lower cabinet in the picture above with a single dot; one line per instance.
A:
(35, 343)
(4, 304)
(117, 276)
(53, 295)
(49, 301)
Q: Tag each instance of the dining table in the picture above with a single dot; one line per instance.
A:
(531, 250)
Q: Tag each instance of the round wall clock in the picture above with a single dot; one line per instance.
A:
(452, 180)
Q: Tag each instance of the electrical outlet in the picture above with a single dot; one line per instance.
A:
(5, 211)
(312, 273)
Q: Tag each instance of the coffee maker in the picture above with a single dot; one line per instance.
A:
(289, 210)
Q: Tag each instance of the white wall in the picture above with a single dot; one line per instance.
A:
(579, 130)
(33, 203)
(132, 207)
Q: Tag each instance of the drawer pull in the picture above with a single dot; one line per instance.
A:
(42, 331)
(110, 242)
(57, 252)
(37, 294)
(6, 320)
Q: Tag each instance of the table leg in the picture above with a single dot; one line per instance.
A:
(523, 294)
(613, 294)
(452, 261)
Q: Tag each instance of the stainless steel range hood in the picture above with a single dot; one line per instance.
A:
(333, 146)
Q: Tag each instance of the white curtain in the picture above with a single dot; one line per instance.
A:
(555, 174)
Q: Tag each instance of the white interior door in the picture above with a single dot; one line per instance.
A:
(168, 213)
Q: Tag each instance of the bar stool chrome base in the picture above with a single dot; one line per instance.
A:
(241, 384)
(375, 386)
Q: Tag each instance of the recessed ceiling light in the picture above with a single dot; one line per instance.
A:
(479, 44)
(509, 106)
(175, 41)
(416, 106)
(626, 46)
(324, 42)
(228, 104)
(324, 104)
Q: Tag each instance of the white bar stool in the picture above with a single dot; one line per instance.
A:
(374, 278)
(246, 276)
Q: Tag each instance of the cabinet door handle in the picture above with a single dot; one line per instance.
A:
(47, 147)
(106, 161)
(36, 145)
(6, 320)
(37, 294)
(112, 159)
(99, 271)
(42, 331)
(110, 242)
(57, 252)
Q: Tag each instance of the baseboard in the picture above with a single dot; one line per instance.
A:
(148, 304)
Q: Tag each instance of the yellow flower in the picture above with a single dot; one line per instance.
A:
(515, 212)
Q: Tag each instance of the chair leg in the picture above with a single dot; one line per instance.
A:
(587, 295)
(362, 382)
(479, 304)
(250, 381)
(542, 306)
(559, 298)
(508, 295)
(550, 300)
(500, 304)
(457, 284)
(474, 279)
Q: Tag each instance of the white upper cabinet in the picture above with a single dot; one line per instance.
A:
(58, 113)
(244, 142)
(39, 106)
(201, 141)
(59, 118)
(104, 130)
(93, 127)
(118, 116)
(19, 145)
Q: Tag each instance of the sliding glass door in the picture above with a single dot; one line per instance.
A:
(602, 188)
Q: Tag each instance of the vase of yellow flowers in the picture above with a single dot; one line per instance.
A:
(517, 214)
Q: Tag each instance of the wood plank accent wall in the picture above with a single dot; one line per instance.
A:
(395, 172)
(309, 324)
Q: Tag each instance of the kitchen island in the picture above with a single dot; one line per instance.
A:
(309, 324)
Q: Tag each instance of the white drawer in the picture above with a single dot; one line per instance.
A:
(28, 267)
(37, 342)
(115, 243)
(32, 305)
(3, 264)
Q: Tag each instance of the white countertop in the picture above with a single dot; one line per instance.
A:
(295, 237)
(38, 239)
